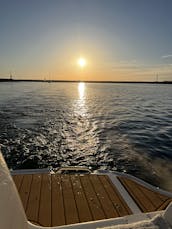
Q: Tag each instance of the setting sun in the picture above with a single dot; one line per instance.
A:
(82, 62)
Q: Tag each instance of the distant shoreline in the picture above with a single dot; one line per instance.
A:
(85, 81)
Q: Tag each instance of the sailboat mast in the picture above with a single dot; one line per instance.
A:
(156, 77)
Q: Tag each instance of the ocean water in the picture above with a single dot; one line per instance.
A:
(119, 127)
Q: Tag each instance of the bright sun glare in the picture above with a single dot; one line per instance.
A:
(82, 62)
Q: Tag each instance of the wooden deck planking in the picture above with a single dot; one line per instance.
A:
(71, 214)
(18, 180)
(32, 210)
(93, 201)
(159, 201)
(146, 199)
(137, 195)
(25, 190)
(121, 207)
(154, 198)
(54, 199)
(165, 204)
(58, 216)
(106, 203)
(44, 216)
(83, 209)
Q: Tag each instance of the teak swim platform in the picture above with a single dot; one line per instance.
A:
(62, 199)
(76, 198)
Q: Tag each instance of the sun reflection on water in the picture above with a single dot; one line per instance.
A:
(81, 107)
(81, 90)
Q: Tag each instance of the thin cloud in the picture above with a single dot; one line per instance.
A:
(132, 69)
(167, 56)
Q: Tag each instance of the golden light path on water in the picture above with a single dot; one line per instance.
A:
(80, 106)
(81, 90)
(82, 136)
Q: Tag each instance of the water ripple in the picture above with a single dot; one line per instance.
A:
(120, 127)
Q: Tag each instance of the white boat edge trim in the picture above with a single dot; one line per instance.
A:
(126, 220)
(98, 172)
(138, 180)
(12, 215)
(125, 195)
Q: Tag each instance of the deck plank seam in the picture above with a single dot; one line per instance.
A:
(39, 196)
(61, 187)
(149, 199)
(129, 192)
(65, 216)
(121, 200)
(29, 193)
(20, 183)
(128, 183)
(98, 198)
(162, 199)
(64, 212)
(49, 185)
(128, 210)
(95, 195)
(103, 188)
(74, 199)
(57, 183)
(68, 190)
(90, 195)
(135, 199)
(93, 187)
(39, 200)
(79, 192)
(141, 188)
(115, 209)
(51, 200)
(86, 198)
(164, 203)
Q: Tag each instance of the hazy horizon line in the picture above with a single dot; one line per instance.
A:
(78, 81)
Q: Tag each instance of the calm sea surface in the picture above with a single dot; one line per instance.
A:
(123, 127)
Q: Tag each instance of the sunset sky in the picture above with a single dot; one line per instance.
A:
(119, 39)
